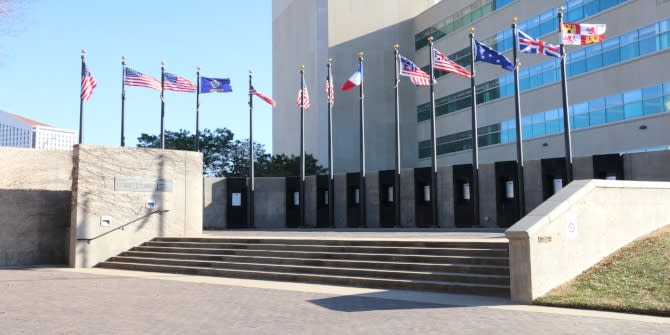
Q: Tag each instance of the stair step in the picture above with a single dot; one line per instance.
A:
(335, 248)
(442, 286)
(337, 271)
(356, 242)
(332, 255)
(441, 267)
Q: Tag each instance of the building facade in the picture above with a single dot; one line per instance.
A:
(619, 92)
(18, 131)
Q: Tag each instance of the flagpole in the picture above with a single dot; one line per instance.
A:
(197, 110)
(123, 101)
(252, 181)
(475, 132)
(362, 188)
(396, 180)
(566, 114)
(519, 133)
(302, 146)
(81, 99)
(162, 104)
(331, 175)
(433, 154)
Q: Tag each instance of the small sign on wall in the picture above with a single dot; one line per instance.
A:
(571, 226)
(236, 199)
(105, 221)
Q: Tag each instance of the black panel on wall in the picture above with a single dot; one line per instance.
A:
(292, 209)
(463, 211)
(236, 208)
(423, 211)
(507, 206)
(608, 166)
(553, 170)
(386, 201)
(353, 208)
(322, 201)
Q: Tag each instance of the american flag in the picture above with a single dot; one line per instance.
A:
(137, 78)
(530, 45)
(330, 92)
(88, 83)
(177, 83)
(267, 99)
(417, 76)
(303, 97)
(442, 62)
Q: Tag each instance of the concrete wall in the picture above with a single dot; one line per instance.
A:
(34, 205)
(271, 198)
(98, 193)
(215, 202)
(577, 227)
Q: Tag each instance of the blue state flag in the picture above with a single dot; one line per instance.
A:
(209, 85)
(488, 55)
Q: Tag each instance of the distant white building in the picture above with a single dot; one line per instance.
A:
(21, 132)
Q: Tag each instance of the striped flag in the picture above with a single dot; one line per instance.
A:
(330, 93)
(417, 76)
(137, 78)
(263, 97)
(303, 97)
(176, 83)
(530, 45)
(88, 84)
(442, 62)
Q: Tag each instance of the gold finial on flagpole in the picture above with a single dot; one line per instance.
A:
(396, 46)
(472, 29)
(514, 20)
(430, 39)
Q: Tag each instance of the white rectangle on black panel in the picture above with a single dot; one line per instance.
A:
(236, 199)
(142, 184)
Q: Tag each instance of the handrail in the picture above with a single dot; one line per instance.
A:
(159, 211)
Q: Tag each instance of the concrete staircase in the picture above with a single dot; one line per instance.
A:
(454, 267)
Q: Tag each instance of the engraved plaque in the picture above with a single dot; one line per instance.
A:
(142, 184)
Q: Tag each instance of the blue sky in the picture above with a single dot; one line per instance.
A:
(40, 49)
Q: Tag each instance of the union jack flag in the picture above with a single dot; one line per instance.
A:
(531, 45)
(417, 76)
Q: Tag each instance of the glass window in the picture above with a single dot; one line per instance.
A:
(595, 57)
(610, 49)
(629, 46)
(553, 121)
(614, 107)
(580, 115)
(597, 112)
(647, 39)
(632, 104)
(538, 125)
(577, 63)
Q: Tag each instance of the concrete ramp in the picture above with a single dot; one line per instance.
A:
(579, 226)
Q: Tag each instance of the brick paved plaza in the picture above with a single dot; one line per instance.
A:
(99, 301)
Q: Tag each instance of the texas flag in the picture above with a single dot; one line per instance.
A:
(354, 80)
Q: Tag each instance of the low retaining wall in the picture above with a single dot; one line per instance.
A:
(148, 192)
(35, 202)
(579, 226)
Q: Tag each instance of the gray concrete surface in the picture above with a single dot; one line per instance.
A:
(35, 202)
(100, 301)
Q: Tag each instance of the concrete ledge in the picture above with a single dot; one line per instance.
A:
(577, 227)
